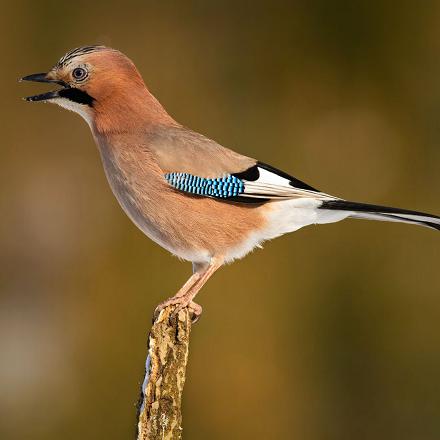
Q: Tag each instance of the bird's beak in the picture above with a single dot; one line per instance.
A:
(43, 77)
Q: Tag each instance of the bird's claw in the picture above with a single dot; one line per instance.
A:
(180, 303)
(195, 310)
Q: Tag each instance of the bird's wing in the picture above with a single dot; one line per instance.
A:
(257, 184)
(197, 165)
(179, 150)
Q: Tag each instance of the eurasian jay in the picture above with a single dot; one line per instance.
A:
(201, 201)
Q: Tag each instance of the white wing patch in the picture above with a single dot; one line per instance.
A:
(271, 185)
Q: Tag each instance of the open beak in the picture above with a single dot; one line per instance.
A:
(43, 77)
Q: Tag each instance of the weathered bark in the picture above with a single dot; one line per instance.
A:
(160, 416)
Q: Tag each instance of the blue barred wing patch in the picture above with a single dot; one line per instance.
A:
(221, 187)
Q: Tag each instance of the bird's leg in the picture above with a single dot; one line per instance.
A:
(184, 297)
(187, 299)
(177, 297)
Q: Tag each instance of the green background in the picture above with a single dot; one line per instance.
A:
(329, 333)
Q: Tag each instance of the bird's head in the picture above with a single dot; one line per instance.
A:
(102, 85)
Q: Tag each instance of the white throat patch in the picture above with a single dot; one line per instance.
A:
(82, 109)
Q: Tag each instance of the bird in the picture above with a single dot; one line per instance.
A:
(203, 202)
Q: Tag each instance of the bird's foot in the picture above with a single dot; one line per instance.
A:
(195, 310)
(180, 303)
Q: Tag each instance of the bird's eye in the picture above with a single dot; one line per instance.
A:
(79, 73)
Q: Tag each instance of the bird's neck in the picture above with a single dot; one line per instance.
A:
(119, 113)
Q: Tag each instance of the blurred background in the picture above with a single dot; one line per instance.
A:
(335, 330)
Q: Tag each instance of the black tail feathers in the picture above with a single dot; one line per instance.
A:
(385, 213)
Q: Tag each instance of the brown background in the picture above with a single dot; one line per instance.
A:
(330, 333)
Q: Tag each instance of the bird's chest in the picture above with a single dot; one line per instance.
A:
(136, 185)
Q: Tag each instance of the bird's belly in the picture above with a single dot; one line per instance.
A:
(183, 249)
(160, 228)
(191, 236)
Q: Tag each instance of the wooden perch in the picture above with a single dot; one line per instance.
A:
(160, 416)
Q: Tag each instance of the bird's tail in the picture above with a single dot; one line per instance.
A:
(384, 213)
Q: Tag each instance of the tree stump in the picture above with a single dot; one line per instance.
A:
(160, 415)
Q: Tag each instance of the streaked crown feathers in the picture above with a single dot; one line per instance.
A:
(66, 59)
